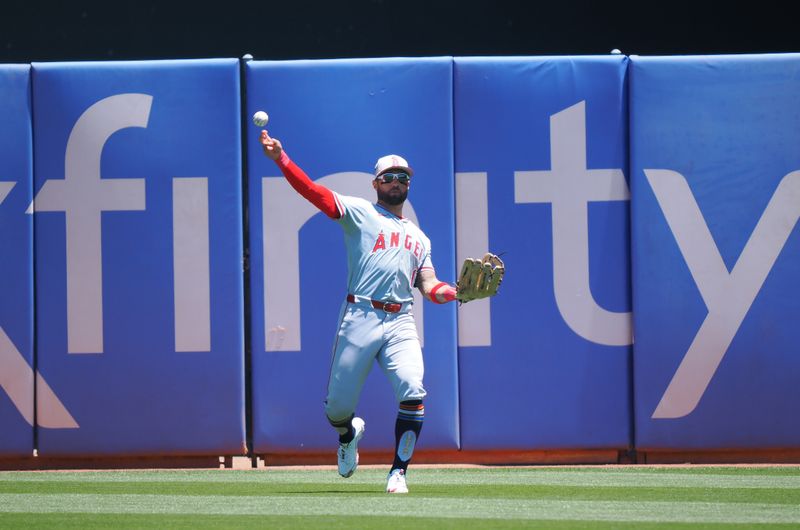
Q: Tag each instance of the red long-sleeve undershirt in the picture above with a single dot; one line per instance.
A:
(316, 194)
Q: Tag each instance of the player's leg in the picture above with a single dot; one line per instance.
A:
(407, 428)
(401, 360)
(357, 340)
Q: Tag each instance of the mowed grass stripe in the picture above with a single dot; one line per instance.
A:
(81, 521)
(481, 476)
(480, 491)
(345, 505)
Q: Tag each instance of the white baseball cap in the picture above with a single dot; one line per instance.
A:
(388, 162)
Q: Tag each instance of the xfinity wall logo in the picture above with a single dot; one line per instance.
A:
(82, 195)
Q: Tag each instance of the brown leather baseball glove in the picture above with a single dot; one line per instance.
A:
(480, 278)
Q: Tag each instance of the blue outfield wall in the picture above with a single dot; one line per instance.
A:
(335, 118)
(138, 257)
(541, 178)
(16, 263)
(653, 199)
(716, 251)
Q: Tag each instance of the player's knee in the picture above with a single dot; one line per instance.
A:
(411, 391)
(341, 423)
(338, 412)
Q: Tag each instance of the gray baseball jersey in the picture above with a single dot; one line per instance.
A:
(385, 254)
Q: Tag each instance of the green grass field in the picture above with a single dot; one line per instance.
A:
(484, 497)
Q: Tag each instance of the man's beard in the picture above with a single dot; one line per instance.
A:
(393, 198)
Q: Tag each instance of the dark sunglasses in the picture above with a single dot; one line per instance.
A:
(402, 178)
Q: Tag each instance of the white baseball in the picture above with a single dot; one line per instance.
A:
(260, 118)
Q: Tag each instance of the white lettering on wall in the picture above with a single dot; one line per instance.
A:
(728, 296)
(82, 195)
(191, 264)
(472, 241)
(569, 186)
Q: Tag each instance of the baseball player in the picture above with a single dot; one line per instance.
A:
(387, 257)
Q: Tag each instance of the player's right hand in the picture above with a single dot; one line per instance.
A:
(272, 146)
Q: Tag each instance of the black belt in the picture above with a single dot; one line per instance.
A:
(389, 307)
